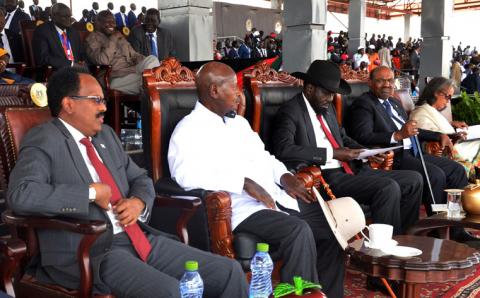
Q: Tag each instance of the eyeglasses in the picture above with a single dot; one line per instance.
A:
(98, 100)
(384, 81)
(447, 96)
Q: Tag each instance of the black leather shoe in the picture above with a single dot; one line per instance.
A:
(376, 284)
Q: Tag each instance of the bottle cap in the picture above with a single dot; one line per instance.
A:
(262, 247)
(191, 265)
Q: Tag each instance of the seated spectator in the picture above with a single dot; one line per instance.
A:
(74, 166)
(149, 39)
(255, 180)
(306, 132)
(434, 98)
(132, 17)
(378, 119)
(359, 57)
(8, 77)
(48, 36)
(373, 58)
(105, 46)
(233, 52)
(13, 17)
(245, 49)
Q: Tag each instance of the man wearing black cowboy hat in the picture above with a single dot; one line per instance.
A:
(306, 132)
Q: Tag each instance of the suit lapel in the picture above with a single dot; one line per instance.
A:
(307, 120)
(381, 110)
(56, 37)
(74, 153)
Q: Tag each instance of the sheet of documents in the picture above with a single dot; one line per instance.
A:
(371, 152)
(473, 132)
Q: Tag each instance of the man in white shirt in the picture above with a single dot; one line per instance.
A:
(213, 149)
(74, 166)
(360, 57)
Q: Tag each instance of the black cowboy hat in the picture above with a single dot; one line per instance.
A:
(325, 74)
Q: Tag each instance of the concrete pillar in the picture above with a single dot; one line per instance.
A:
(191, 23)
(357, 10)
(305, 38)
(436, 51)
(406, 27)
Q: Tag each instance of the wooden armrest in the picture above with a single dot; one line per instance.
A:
(90, 229)
(19, 67)
(11, 252)
(188, 205)
(434, 148)
(219, 213)
(386, 165)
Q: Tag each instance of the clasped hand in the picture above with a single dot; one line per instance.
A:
(126, 210)
(409, 129)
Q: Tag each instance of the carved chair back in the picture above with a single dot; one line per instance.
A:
(28, 27)
(266, 91)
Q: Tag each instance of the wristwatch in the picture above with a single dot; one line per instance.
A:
(92, 194)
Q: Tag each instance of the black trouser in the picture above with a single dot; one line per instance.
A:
(393, 196)
(443, 173)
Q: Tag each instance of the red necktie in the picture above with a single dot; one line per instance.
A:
(137, 237)
(334, 143)
(66, 47)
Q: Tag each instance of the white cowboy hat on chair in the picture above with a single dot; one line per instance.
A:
(344, 216)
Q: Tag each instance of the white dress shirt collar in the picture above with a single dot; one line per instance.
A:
(9, 21)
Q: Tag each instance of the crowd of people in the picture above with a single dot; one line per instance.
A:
(74, 166)
(465, 70)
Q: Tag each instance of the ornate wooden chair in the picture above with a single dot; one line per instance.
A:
(43, 72)
(172, 96)
(17, 252)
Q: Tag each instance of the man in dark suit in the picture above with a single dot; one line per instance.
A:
(150, 39)
(132, 17)
(35, 10)
(57, 43)
(306, 132)
(378, 119)
(74, 166)
(93, 12)
(141, 15)
(121, 18)
(12, 28)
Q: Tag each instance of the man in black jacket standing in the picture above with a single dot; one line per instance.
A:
(12, 28)
(377, 119)
(149, 39)
(57, 43)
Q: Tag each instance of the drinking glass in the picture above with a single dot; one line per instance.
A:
(454, 203)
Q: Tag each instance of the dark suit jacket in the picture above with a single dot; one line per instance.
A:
(141, 43)
(32, 12)
(14, 35)
(16, 45)
(293, 136)
(92, 16)
(51, 178)
(368, 122)
(131, 19)
(49, 49)
(118, 20)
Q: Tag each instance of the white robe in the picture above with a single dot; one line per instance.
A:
(214, 153)
(429, 118)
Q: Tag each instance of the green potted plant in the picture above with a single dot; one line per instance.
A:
(467, 108)
(299, 285)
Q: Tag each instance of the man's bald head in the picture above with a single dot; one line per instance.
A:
(217, 88)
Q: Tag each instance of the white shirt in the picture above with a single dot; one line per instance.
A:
(6, 45)
(214, 153)
(358, 58)
(407, 143)
(77, 136)
(321, 138)
(123, 19)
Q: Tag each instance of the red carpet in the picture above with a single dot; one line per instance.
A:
(355, 287)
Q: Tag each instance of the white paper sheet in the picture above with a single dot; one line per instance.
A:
(371, 152)
(473, 132)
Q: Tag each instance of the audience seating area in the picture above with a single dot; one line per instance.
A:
(168, 96)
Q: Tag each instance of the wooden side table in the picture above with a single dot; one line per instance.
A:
(443, 223)
(441, 261)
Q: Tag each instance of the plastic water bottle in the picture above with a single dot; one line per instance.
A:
(191, 284)
(138, 133)
(261, 267)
